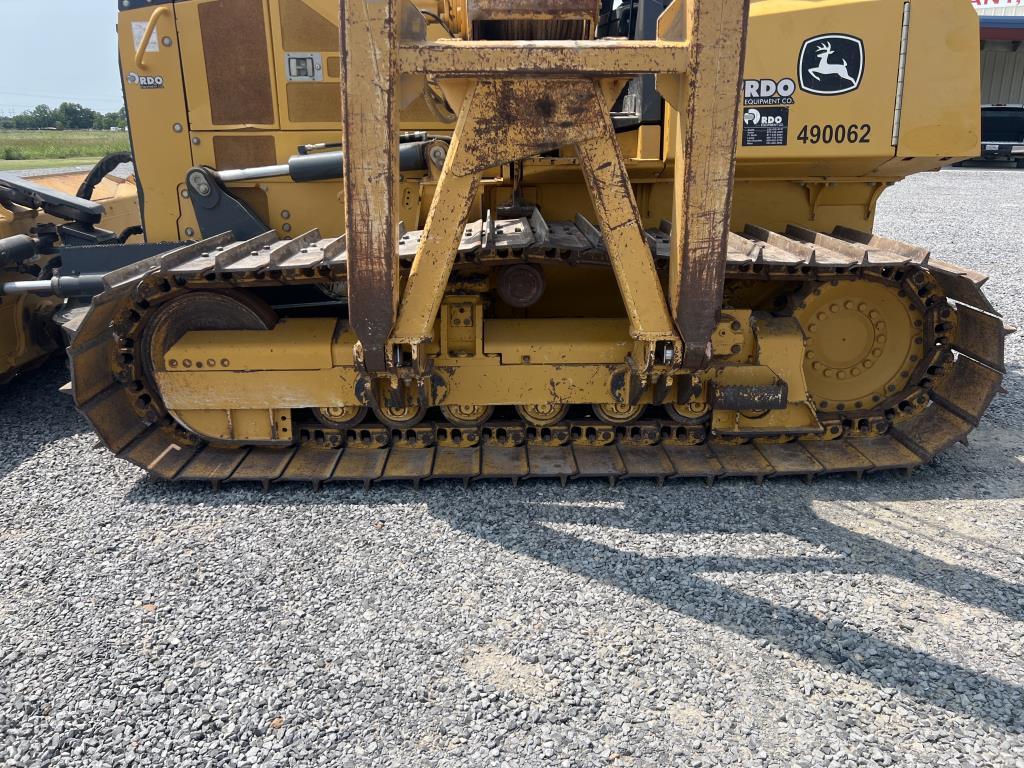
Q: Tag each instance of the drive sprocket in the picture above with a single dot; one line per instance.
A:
(866, 341)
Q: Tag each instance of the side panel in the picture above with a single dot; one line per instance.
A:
(941, 113)
(820, 87)
(225, 48)
(307, 66)
(155, 97)
(831, 176)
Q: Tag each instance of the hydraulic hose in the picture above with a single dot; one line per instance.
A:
(100, 171)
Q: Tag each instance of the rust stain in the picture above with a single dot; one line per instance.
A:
(369, 56)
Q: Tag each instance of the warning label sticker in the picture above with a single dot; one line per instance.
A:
(765, 126)
(139, 32)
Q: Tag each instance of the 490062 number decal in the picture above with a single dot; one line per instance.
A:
(835, 134)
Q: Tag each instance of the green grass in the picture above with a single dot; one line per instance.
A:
(43, 146)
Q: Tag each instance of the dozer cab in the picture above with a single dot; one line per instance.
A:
(562, 239)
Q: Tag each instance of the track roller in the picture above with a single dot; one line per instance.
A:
(618, 413)
(545, 415)
(468, 416)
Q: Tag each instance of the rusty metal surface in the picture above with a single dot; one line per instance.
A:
(505, 116)
(599, 461)
(409, 464)
(705, 157)
(369, 85)
(543, 9)
(751, 397)
(980, 336)
(887, 452)
(613, 463)
(456, 463)
(694, 461)
(508, 119)
(742, 461)
(595, 58)
(552, 461)
(931, 432)
(504, 462)
(311, 464)
(838, 456)
(113, 408)
(362, 465)
(152, 452)
(263, 465)
(646, 461)
(969, 391)
(213, 465)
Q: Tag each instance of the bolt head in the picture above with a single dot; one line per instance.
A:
(199, 183)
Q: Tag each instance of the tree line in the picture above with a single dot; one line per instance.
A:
(68, 116)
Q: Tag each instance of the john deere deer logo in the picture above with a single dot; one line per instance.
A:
(831, 64)
(826, 68)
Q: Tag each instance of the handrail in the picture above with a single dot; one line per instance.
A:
(147, 36)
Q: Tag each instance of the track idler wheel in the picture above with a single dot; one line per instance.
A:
(199, 311)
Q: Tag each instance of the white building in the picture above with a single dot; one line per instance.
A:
(1002, 59)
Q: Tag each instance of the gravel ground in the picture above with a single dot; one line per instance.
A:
(122, 171)
(841, 623)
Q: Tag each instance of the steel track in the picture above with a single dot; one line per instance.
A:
(951, 389)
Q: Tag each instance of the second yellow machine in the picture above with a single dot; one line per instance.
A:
(527, 248)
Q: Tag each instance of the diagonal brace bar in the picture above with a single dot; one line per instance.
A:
(571, 111)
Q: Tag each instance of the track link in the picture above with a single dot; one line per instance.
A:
(954, 387)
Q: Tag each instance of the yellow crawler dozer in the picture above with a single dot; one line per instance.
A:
(564, 238)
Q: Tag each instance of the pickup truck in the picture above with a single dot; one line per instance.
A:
(1002, 133)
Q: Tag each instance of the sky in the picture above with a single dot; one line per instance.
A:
(58, 50)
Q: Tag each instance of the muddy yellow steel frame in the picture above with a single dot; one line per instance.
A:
(517, 99)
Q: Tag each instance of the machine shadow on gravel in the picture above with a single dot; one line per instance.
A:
(530, 515)
(677, 583)
(529, 519)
